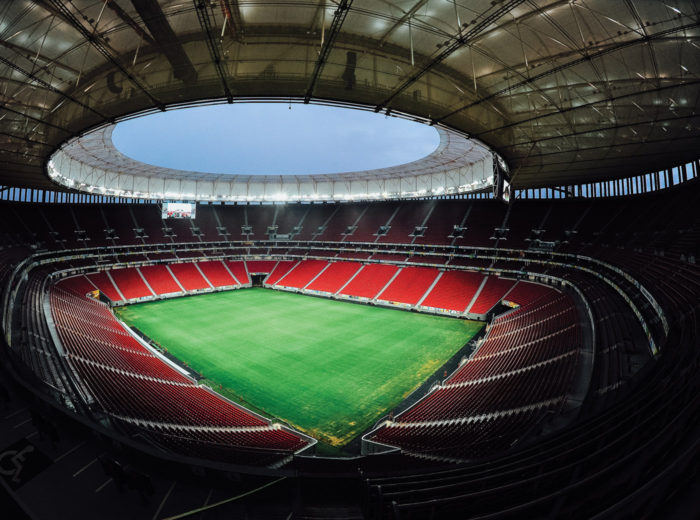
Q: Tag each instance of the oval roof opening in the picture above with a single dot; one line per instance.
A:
(273, 139)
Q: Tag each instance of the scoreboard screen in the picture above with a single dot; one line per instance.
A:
(178, 210)
(505, 193)
(502, 189)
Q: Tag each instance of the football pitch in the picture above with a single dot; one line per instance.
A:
(327, 367)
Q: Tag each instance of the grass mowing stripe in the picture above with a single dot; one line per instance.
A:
(328, 367)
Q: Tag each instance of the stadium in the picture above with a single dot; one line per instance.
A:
(504, 328)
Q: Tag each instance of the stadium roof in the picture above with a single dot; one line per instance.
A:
(91, 163)
(568, 91)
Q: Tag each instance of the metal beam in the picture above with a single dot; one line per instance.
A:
(203, 15)
(401, 21)
(232, 12)
(6, 101)
(21, 153)
(124, 16)
(24, 138)
(48, 86)
(98, 44)
(31, 55)
(573, 63)
(320, 8)
(457, 42)
(36, 119)
(338, 18)
(652, 55)
(637, 154)
(166, 40)
(559, 111)
(598, 129)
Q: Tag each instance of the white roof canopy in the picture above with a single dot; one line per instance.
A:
(91, 163)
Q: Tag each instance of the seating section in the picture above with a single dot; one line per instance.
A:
(302, 274)
(491, 293)
(266, 438)
(160, 279)
(121, 222)
(511, 391)
(90, 334)
(189, 276)
(370, 280)
(89, 218)
(239, 271)
(521, 221)
(216, 444)
(498, 402)
(78, 284)
(182, 229)
(454, 290)
(524, 294)
(662, 276)
(206, 224)
(315, 218)
(217, 274)
(484, 436)
(288, 217)
(376, 215)
(280, 270)
(104, 284)
(620, 341)
(134, 396)
(339, 222)
(595, 451)
(480, 225)
(132, 384)
(130, 283)
(525, 365)
(259, 218)
(571, 225)
(334, 277)
(439, 228)
(405, 222)
(410, 285)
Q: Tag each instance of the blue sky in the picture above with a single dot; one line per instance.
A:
(256, 138)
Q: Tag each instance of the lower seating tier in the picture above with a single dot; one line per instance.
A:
(526, 364)
(159, 278)
(132, 384)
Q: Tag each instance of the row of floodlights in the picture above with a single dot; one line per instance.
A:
(61, 179)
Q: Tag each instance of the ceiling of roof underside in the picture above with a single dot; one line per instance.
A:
(567, 91)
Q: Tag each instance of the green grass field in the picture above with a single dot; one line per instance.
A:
(327, 367)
